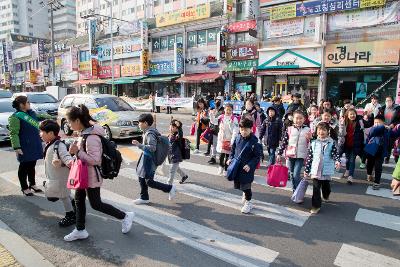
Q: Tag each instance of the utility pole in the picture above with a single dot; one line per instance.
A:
(53, 5)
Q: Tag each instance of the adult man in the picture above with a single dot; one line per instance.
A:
(278, 106)
(296, 104)
(373, 107)
(391, 112)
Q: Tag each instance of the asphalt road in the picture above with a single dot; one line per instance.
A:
(203, 225)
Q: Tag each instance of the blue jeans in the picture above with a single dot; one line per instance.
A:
(351, 161)
(295, 165)
(271, 159)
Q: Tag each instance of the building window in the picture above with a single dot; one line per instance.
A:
(156, 2)
(171, 42)
(123, 12)
(132, 10)
(240, 6)
(115, 2)
(192, 39)
(155, 43)
(166, 1)
(202, 38)
(163, 43)
(212, 36)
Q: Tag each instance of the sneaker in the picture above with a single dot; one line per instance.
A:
(68, 220)
(184, 178)
(350, 180)
(387, 160)
(172, 193)
(196, 151)
(247, 207)
(376, 186)
(325, 199)
(212, 161)
(75, 235)
(243, 198)
(345, 174)
(127, 222)
(36, 189)
(224, 173)
(140, 201)
(220, 170)
(27, 192)
(370, 178)
(362, 165)
(207, 154)
(315, 210)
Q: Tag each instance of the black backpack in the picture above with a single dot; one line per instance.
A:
(56, 148)
(111, 158)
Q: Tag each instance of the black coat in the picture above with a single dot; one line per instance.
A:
(175, 148)
(296, 106)
(271, 131)
(280, 109)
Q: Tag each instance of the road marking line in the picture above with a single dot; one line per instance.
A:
(351, 256)
(378, 219)
(382, 192)
(129, 155)
(262, 209)
(217, 244)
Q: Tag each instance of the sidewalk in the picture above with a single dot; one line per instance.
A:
(15, 251)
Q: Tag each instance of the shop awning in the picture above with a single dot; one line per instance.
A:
(199, 78)
(288, 72)
(125, 80)
(389, 68)
(88, 82)
(159, 79)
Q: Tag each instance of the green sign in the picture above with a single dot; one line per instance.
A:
(192, 39)
(164, 43)
(242, 65)
(179, 38)
(171, 42)
(202, 38)
(212, 36)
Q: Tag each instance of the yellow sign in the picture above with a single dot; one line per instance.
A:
(58, 61)
(32, 76)
(144, 59)
(379, 53)
(130, 70)
(372, 3)
(283, 12)
(84, 66)
(7, 79)
(184, 15)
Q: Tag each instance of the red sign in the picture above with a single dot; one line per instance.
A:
(94, 68)
(242, 26)
(106, 72)
(242, 52)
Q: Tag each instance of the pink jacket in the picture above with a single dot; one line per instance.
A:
(92, 156)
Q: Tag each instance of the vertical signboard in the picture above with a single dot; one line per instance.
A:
(92, 36)
(5, 56)
(144, 62)
(178, 58)
(144, 34)
(41, 52)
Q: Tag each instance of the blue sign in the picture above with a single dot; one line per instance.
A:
(162, 67)
(122, 49)
(237, 105)
(178, 57)
(325, 6)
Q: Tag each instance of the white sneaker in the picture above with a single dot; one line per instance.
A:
(350, 180)
(127, 222)
(196, 151)
(224, 173)
(75, 235)
(140, 201)
(243, 198)
(172, 193)
(247, 207)
(220, 170)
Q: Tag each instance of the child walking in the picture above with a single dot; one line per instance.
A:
(295, 145)
(246, 147)
(57, 162)
(321, 162)
(228, 130)
(175, 154)
(271, 133)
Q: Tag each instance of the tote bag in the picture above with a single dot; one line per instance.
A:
(300, 192)
(277, 175)
(78, 177)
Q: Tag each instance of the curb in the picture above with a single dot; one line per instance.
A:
(20, 250)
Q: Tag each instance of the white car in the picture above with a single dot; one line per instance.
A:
(6, 110)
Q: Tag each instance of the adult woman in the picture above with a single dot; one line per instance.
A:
(202, 121)
(25, 140)
(90, 151)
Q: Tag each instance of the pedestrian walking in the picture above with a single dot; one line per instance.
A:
(146, 166)
(259, 118)
(248, 151)
(57, 162)
(175, 154)
(25, 140)
(202, 121)
(89, 149)
(278, 106)
(214, 114)
(271, 133)
(321, 161)
(333, 123)
(296, 104)
(294, 144)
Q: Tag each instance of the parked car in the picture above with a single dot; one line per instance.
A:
(6, 110)
(44, 104)
(123, 125)
(5, 93)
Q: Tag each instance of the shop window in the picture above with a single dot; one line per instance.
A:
(212, 36)
(157, 2)
(164, 43)
(155, 42)
(171, 42)
(179, 39)
(202, 38)
(192, 39)
(240, 8)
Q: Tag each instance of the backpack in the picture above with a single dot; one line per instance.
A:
(111, 158)
(56, 148)
(185, 148)
(162, 149)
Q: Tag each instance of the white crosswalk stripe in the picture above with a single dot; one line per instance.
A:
(382, 192)
(378, 219)
(351, 256)
(222, 246)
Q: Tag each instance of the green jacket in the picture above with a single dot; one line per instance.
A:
(396, 172)
(14, 126)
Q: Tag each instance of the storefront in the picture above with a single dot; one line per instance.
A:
(241, 73)
(356, 70)
(285, 72)
(201, 84)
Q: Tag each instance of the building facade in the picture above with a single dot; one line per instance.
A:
(64, 20)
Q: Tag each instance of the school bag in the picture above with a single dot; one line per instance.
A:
(185, 148)
(162, 150)
(111, 158)
(57, 146)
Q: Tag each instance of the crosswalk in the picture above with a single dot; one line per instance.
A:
(228, 247)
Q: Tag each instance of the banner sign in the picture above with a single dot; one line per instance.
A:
(138, 104)
(41, 51)
(242, 65)
(74, 59)
(84, 66)
(130, 70)
(5, 56)
(106, 72)
(228, 7)
(7, 79)
(241, 52)
(24, 39)
(144, 62)
(95, 70)
(123, 49)
(182, 102)
(32, 76)
(264, 3)
(92, 24)
(251, 9)
(283, 12)
(184, 15)
(242, 26)
(378, 53)
(364, 17)
(162, 67)
(178, 58)
(280, 28)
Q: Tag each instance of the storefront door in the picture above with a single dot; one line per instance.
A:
(280, 88)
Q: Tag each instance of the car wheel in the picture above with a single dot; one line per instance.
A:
(65, 128)
(107, 132)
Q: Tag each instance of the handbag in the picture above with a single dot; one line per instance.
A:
(226, 145)
(206, 136)
(78, 177)
(277, 175)
(372, 146)
(193, 129)
(233, 167)
(300, 192)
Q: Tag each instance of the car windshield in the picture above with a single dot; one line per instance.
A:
(41, 98)
(5, 94)
(5, 106)
(113, 104)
